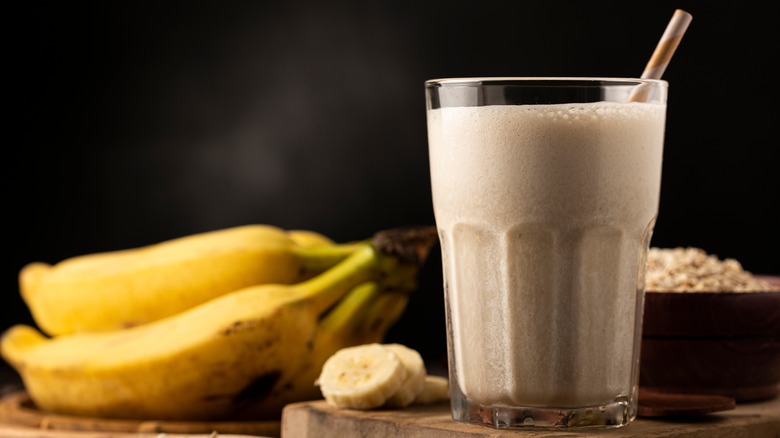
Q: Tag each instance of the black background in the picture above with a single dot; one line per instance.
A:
(137, 122)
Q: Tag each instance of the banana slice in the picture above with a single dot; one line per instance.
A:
(436, 390)
(415, 376)
(361, 377)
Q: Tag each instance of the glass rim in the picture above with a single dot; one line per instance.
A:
(541, 80)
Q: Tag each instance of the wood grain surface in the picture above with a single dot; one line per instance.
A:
(318, 419)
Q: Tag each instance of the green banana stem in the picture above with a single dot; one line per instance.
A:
(392, 258)
(350, 311)
(324, 290)
(405, 245)
(316, 259)
(398, 276)
(363, 315)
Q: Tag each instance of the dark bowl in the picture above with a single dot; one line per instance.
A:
(723, 343)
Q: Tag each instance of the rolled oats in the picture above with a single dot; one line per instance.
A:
(693, 270)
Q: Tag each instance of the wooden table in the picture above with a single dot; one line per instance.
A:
(317, 419)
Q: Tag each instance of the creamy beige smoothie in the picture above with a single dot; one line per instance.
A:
(545, 213)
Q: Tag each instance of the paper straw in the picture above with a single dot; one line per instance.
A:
(663, 52)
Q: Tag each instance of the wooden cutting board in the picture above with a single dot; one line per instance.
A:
(319, 420)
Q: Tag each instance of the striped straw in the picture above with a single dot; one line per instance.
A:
(663, 51)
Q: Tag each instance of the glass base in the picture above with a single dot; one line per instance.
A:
(615, 414)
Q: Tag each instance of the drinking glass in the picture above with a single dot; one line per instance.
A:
(545, 194)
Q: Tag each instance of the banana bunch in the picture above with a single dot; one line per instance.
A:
(120, 289)
(237, 354)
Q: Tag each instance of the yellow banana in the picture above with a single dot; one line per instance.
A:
(309, 238)
(207, 362)
(119, 289)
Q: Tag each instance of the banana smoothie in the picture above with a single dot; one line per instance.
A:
(545, 213)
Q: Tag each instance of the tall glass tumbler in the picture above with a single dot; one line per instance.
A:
(545, 194)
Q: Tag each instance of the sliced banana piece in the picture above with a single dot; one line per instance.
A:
(415, 376)
(436, 390)
(361, 377)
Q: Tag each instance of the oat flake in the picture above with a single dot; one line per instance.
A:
(693, 270)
